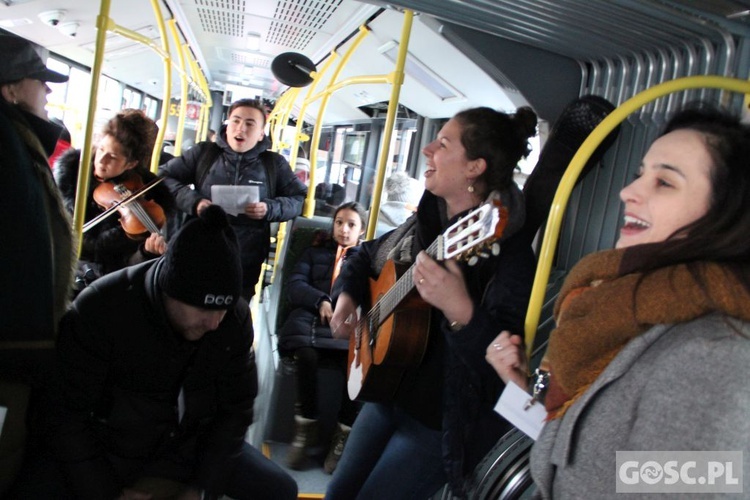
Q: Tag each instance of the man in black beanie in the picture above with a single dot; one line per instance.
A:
(157, 382)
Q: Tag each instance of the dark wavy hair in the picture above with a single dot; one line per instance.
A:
(135, 132)
(721, 235)
(500, 139)
(249, 103)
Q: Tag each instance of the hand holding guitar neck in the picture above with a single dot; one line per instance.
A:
(443, 287)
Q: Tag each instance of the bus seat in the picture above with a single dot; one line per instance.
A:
(570, 130)
(280, 424)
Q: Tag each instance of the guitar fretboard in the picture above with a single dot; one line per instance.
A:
(390, 300)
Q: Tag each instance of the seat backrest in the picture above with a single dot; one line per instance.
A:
(299, 237)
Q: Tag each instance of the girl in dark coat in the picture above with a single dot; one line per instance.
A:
(306, 335)
(122, 155)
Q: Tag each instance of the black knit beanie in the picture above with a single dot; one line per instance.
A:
(201, 266)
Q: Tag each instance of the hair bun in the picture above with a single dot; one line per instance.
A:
(526, 120)
(215, 218)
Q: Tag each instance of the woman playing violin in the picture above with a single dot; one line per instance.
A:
(120, 163)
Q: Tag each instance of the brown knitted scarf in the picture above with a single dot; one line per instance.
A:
(600, 309)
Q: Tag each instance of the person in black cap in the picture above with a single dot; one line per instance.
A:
(157, 382)
(37, 251)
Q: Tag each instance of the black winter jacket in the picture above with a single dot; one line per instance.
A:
(307, 286)
(238, 169)
(106, 244)
(37, 251)
(454, 389)
(122, 371)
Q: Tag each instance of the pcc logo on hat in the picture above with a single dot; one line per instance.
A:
(20, 60)
(202, 266)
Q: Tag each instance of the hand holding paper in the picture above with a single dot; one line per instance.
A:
(234, 199)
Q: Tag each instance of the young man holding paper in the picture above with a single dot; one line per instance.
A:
(239, 157)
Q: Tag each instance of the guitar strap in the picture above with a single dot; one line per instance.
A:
(396, 246)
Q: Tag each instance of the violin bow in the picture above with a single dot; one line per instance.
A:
(128, 199)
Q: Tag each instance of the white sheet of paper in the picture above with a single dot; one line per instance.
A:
(3, 412)
(511, 407)
(234, 199)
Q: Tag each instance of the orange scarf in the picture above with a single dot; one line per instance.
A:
(340, 256)
(599, 311)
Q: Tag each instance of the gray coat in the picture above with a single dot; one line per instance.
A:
(676, 387)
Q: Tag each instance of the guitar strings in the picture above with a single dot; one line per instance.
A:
(393, 296)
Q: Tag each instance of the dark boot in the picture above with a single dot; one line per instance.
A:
(305, 436)
(337, 448)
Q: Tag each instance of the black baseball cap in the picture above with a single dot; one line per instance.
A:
(20, 61)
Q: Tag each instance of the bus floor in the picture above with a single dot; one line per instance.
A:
(311, 480)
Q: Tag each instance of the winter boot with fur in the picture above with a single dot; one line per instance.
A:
(337, 448)
(305, 436)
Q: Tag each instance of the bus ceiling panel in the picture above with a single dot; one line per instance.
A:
(436, 83)
(267, 28)
(583, 29)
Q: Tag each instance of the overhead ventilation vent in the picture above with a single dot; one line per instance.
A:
(243, 58)
(296, 22)
(223, 17)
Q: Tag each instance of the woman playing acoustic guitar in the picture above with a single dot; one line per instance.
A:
(431, 421)
(121, 159)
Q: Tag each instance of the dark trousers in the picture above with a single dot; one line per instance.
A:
(308, 360)
(251, 476)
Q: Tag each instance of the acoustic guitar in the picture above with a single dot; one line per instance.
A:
(392, 336)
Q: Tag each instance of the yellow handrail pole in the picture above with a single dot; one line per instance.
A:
(564, 190)
(163, 51)
(282, 120)
(84, 169)
(193, 78)
(298, 136)
(390, 121)
(354, 80)
(167, 81)
(183, 89)
(278, 117)
(275, 116)
(309, 208)
(203, 85)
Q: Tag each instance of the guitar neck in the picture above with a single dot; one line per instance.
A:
(405, 284)
(460, 240)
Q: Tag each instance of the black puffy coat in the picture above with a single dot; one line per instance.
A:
(236, 169)
(121, 370)
(106, 244)
(307, 286)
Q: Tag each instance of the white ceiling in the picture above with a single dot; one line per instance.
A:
(216, 32)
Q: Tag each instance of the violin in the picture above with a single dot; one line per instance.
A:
(138, 216)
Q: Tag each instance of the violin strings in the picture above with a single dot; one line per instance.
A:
(143, 216)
